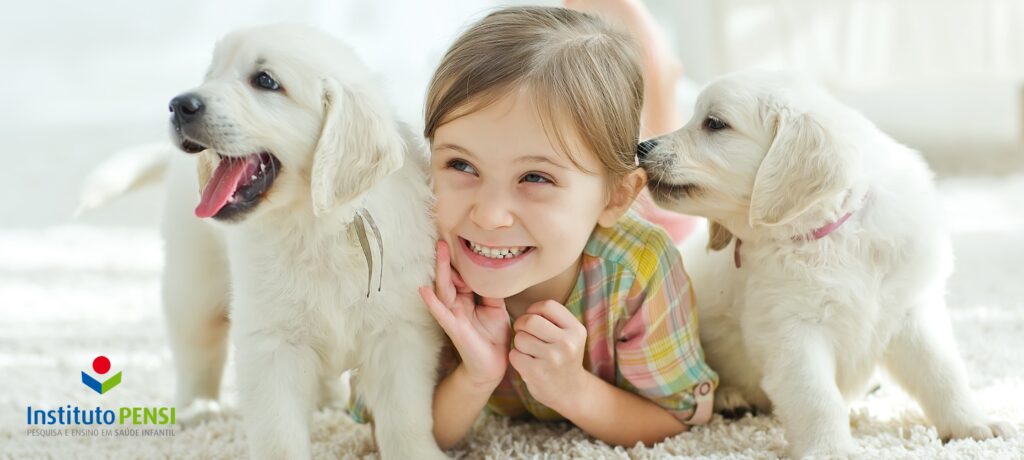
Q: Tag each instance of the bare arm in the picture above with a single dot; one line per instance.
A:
(480, 334)
(457, 403)
(618, 417)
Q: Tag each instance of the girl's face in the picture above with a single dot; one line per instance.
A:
(515, 212)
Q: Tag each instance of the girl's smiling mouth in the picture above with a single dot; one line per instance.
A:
(494, 257)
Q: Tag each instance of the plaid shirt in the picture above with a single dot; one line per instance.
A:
(636, 301)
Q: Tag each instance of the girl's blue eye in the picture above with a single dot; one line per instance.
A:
(462, 166)
(535, 178)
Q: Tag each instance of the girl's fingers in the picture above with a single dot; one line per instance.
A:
(460, 285)
(555, 313)
(527, 344)
(539, 327)
(520, 361)
(443, 274)
(438, 310)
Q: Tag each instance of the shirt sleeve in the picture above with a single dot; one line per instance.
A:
(658, 352)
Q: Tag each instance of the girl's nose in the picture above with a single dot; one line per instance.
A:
(491, 210)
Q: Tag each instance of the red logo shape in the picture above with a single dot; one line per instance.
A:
(101, 365)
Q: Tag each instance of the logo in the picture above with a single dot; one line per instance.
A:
(101, 365)
(73, 420)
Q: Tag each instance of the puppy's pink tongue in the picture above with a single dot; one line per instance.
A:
(223, 183)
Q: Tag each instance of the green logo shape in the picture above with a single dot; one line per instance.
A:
(101, 387)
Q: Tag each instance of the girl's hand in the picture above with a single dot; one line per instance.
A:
(480, 333)
(548, 349)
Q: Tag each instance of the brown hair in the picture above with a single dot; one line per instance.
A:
(579, 69)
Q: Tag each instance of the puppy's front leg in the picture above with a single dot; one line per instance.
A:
(923, 358)
(278, 386)
(799, 377)
(195, 291)
(397, 378)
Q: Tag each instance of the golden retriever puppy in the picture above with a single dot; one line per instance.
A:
(311, 232)
(833, 259)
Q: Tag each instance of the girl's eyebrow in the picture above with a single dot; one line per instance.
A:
(457, 148)
(540, 159)
(527, 158)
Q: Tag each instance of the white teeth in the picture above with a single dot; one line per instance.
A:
(493, 253)
(253, 177)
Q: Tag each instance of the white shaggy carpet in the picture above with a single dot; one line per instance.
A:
(70, 293)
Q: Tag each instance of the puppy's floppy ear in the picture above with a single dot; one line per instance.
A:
(805, 164)
(718, 236)
(359, 145)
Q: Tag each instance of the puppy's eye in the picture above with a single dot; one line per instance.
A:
(263, 80)
(714, 124)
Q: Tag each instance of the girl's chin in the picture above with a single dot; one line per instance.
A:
(496, 288)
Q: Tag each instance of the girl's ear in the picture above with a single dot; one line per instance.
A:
(622, 198)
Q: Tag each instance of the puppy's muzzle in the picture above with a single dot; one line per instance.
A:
(644, 149)
(186, 108)
(655, 165)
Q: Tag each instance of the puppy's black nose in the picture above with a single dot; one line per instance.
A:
(644, 148)
(187, 107)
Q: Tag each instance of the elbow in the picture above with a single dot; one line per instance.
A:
(653, 438)
(446, 442)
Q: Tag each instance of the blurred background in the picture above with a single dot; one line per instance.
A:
(84, 79)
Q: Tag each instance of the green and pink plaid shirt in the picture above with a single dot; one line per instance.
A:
(637, 303)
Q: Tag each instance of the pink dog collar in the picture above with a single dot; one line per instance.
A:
(818, 234)
(824, 231)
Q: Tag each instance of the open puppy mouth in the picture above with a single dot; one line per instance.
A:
(191, 146)
(237, 185)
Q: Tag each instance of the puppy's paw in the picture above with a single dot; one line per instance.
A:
(1003, 429)
(729, 402)
(978, 431)
(199, 411)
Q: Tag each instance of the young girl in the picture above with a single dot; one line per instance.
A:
(561, 303)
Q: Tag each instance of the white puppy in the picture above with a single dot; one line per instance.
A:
(842, 266)
(316, 230)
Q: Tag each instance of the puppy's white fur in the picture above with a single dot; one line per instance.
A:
(292, 270)
(801, 325)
